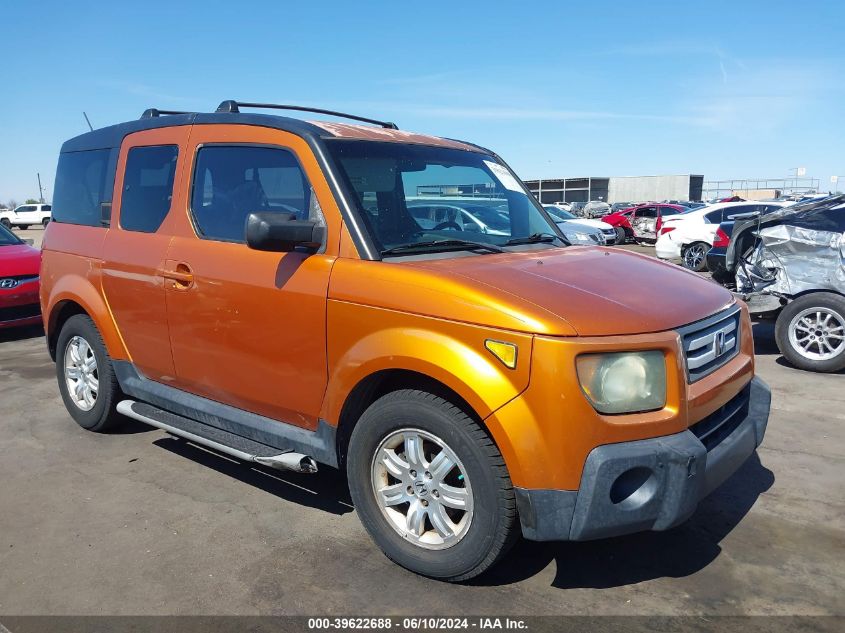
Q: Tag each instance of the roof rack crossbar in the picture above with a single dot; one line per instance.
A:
(154, 112)
(234, 106)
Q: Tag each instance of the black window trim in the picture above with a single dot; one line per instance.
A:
(107, 212)
(290, 150)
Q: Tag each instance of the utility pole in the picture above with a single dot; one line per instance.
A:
(40, 188)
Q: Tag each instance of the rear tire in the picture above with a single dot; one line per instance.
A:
(694, 256)
(810, 332)
(391, 485)
(90, 395)
(45, 222)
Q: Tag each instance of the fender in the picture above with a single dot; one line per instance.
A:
(364, 340)
(80, 289)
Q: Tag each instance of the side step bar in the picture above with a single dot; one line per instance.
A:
(217, 439)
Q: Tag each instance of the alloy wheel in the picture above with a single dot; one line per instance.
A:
(817, 333)
(422, 489)
(693, 256)
(81, 373)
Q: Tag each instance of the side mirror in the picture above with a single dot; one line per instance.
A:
(281, 232)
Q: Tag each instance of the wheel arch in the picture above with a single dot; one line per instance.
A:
(380, 383)
(76, 295)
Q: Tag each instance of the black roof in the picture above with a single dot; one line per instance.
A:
(112, 136)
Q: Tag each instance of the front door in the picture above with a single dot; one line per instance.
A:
(248, 327)
(644, 223)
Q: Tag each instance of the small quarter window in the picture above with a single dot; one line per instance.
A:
(147, 187)
(230, 182)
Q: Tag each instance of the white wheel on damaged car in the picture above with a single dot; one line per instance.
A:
(810, 332)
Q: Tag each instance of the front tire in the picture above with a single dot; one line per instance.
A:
(430, 486)
(694, 256)
(86, 377)
(7, 223)
(810, 332)
(621, 235)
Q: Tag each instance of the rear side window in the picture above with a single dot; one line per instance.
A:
(83, 183)
(46, 207)
(147, 187)
(230, 182)
(715, 217)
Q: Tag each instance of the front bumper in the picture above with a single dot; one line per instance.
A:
(20, 306)
(652, 484)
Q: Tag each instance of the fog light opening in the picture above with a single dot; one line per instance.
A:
(633, 488)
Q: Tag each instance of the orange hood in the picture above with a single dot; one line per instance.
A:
(586, 291)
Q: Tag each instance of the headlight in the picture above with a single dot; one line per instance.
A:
(577, 238)
(626, 382)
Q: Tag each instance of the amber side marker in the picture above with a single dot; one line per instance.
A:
(505, 352)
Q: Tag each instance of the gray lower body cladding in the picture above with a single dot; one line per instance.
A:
(319, 444)
(652, 484)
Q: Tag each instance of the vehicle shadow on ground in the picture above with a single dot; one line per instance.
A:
(765, 345)
(7, 335)
(628, 560)
(764, 338)
(324, 490)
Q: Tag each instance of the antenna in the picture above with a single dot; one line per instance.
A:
(90, 127)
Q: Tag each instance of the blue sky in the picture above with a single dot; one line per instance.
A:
(727, 89)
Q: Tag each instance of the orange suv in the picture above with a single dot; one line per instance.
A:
(298, 293)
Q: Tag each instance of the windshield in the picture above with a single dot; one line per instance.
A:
(437, 197)
(7, 238)
(559, 214)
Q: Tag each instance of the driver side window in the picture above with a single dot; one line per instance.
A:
(230, 182)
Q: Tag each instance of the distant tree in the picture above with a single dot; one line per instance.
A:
(11, 204)
(31, 201)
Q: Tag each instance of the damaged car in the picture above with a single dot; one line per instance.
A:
(790, 265)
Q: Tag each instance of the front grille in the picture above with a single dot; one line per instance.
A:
(710, 343)
(14, 313)
(14, 281)
(713, 429)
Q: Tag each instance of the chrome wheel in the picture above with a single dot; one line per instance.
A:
(422, 489)
(694, 256)
(817, 333)
(81, 373)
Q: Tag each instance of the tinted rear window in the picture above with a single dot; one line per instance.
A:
(147, 187)
(83, 183)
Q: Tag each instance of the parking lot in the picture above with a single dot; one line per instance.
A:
(138, 522)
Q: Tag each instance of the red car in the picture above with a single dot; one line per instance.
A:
(19, 281)
(642, 222)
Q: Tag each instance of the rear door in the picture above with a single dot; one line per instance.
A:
(147, 186)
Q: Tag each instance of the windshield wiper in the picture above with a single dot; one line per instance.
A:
(534, 238)
(449, 244)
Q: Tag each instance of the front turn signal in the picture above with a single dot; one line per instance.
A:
(505, 352)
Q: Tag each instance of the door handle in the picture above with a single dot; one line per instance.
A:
(182, 277)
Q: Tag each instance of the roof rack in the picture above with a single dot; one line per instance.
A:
(154, 112)
(234, 106)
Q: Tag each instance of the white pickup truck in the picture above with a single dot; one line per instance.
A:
(26, 215)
